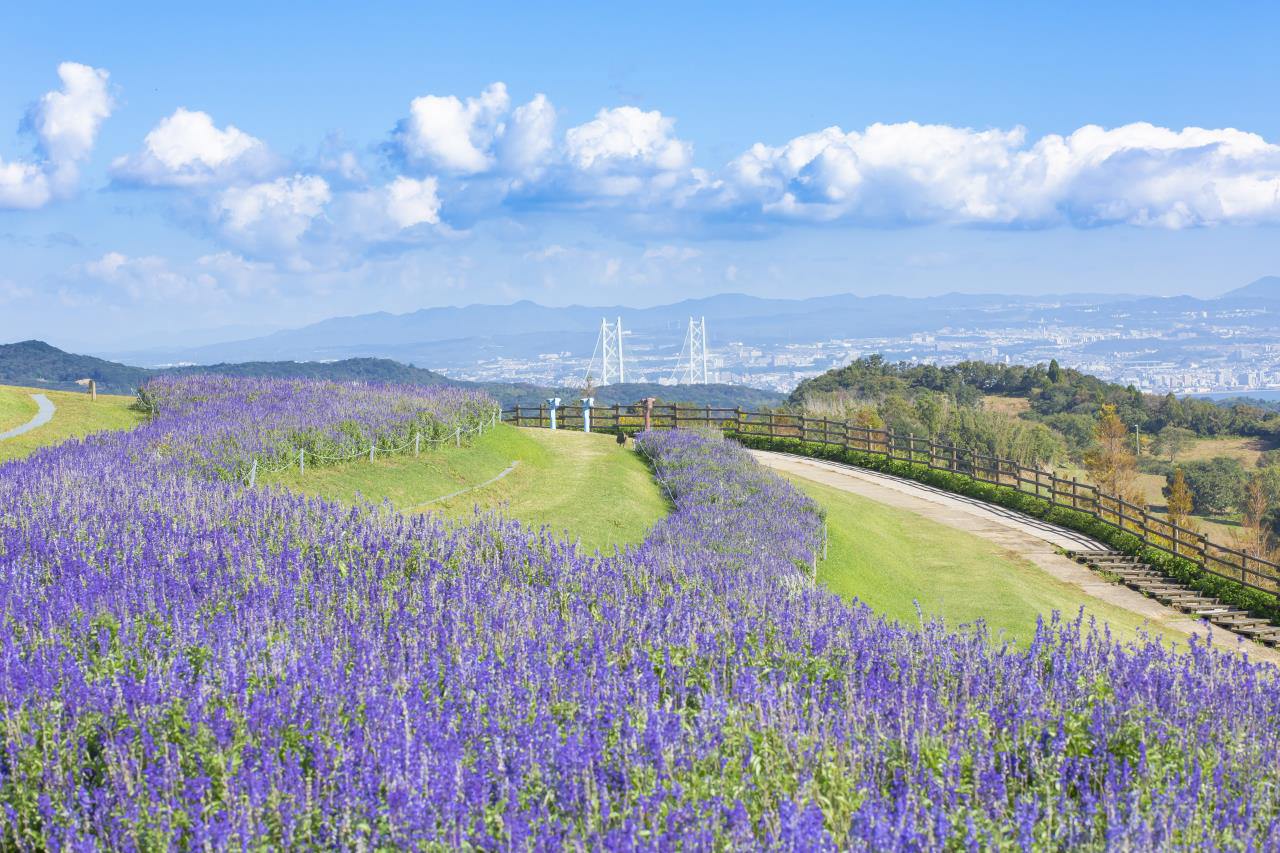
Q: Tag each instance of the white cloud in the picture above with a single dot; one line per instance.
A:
(627, 137)
(187, 149)
(23, 186)
(392, 212)
(151, 279)
(449, 134)
(271, 218)
(528, 141)
(909, 173)
(65, 123)
(411, 202)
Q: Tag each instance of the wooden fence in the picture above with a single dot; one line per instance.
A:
(1235, 565)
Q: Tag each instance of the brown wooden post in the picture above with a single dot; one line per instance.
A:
(648, 412)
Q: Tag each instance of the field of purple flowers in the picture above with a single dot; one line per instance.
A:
(185, 662)
(219, 424)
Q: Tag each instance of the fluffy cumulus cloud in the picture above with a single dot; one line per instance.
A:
(270, 218)
(446, 133)
(627, 137)
(188, 149)
(456, 161)
(65, 124)
(911, 173)
(411, 202)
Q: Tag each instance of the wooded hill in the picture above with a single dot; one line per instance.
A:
(1062, 398)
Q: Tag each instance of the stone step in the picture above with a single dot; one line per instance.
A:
(1149, 581)
(1218, 610)
(1237, 623)
(1141, 576)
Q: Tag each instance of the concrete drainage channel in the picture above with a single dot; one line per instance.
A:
(1138, 575)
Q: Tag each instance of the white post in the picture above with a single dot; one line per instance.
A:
(457, 436)
(552, 402)
(587, 403)
(302, 461)
(417, 443)
(371, 447)
(253, 473)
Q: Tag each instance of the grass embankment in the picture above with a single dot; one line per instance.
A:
(584, 485)
(76, 415)
(16, 408)
(891, 559)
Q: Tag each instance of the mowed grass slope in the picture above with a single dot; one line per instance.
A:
(16, 408)
(76, 416)
(579, 484)
(892, 559)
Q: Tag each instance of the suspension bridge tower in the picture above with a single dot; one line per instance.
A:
(609, 346)
(697, 370)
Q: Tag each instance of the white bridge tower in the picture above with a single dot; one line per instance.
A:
(609, 345)
(697, 370)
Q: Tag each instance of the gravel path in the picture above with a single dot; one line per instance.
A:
(1034, 540)
(43, 416)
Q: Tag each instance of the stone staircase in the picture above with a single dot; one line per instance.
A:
(1138, 575)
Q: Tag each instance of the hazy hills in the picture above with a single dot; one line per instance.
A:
(37, 364)
(451, 337)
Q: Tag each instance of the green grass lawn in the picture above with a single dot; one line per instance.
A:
(76, 415)
(581, 484)
(16, 408)
(891, 559)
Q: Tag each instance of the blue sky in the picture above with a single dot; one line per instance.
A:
(169, 173)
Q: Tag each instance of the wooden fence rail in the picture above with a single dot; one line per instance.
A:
(1239, 566)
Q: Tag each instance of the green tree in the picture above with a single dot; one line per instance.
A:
(1218, 484)
(1173, 440)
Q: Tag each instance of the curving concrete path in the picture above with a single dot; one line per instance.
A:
(44, 414)
(1030, 538)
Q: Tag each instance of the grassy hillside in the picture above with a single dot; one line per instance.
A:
(16, 408)
(891, 559)
(76, 416)
(582, 484)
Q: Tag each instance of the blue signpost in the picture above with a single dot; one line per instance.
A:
(587, 403)
(552, 402)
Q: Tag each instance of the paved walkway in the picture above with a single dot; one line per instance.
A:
(1030, 538)
(44, 414)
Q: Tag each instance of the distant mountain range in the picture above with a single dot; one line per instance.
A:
(36, 364)
(452, 337)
